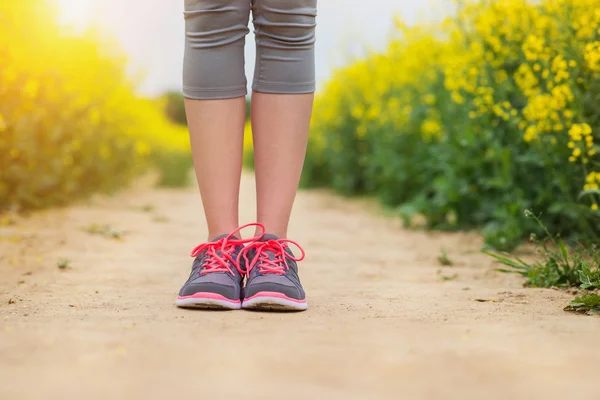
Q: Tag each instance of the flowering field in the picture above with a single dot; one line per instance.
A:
(471, 121)
(70, 121)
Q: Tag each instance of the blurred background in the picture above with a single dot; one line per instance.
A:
(151, 32)
(463, 113)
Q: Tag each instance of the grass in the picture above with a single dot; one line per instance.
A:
(558, 266)
(104, 230)
(444, 260)
(63, 263)
(445, 277)
(174, 169)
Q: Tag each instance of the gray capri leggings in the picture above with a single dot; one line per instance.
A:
(215, 34)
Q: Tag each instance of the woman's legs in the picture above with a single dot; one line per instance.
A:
(284, 82)
(216, 135)
(215, 88)
(280, 128)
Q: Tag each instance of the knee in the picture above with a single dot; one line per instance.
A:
(215, 32)
(215, 23)
(286, 23)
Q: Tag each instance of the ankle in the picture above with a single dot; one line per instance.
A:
(216, 233)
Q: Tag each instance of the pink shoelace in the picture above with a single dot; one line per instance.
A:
(278, 264)
(215, 262)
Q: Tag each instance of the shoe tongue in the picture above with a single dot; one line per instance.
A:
(223, 237)
(268, 236)
(220, 237)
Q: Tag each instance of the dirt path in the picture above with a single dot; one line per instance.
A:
(381, 323)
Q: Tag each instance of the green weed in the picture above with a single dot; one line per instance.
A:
(445, 277)
(586, 304)
(558, 265)
(105, 230)
(147, 208)
(444, 260)
(63, 263)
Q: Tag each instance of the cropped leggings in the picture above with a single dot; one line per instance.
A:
(215, 35)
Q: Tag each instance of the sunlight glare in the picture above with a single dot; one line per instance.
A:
(77, 13)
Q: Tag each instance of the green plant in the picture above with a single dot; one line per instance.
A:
(445, 277)
(590, 279)
(468, 122)
(248, 108)
(106, 231)
(558, 266)
(174, 168)
(588, 304)
(63, 263)
(174, 107)
(443, 259)
(65, 131)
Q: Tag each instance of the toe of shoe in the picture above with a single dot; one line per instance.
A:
(288, 289)
(227, 291)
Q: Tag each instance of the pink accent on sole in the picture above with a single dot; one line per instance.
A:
(207, 300)
(274, 301)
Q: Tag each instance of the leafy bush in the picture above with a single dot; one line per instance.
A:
(70, 122)
(471, 121)
(174, 107)
(248, 147)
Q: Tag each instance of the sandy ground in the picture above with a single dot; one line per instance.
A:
(382, 323)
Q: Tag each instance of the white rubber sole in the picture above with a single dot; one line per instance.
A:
(207, 304)
(274, 304)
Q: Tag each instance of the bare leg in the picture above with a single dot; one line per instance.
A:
(216, 135)
(280, 125)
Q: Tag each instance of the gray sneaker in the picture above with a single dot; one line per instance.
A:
(272, 276)
(216, 280)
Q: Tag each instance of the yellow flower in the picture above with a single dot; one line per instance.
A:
(429, 99)
(530, 134)
(31, 89)
(594, 206)
(358, 111)
(142, 148)
(575, 132)
(591, 178)
(586, 129)
(361, 131)
(2, 123)
(457, 98)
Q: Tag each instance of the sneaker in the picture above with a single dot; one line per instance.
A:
(216, 280)
(272, 275)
